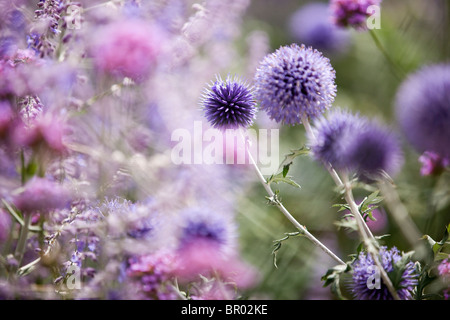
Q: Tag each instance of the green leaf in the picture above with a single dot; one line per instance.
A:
(285, 170)
(289, 158)
(347, 223)
(341, 207)
(281, 178)
(332, 278)
(277, 244)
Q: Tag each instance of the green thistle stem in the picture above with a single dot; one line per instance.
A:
(286, 213)
(364, 231)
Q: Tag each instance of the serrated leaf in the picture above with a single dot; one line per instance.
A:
(280, 178)
(342, 207)
(289, 158)
(277, 244)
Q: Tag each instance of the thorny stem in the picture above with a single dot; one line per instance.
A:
(364, 231)
(286, 213)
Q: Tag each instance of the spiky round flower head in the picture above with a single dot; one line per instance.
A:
(365, 276)
(423, 109)
(331, 136)
(374, 150)
(352, 13)
(293, 82)
(354, 143)
(229, 104)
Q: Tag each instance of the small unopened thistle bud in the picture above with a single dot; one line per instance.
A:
(229, 104)
(293, 82)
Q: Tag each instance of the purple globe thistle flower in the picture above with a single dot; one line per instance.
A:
(229, 104)
(374, 150)
(365, 272)
(352, 13)
(353, 143)
(332, 134)
(423, 109)
(293, 82)
(312, 25)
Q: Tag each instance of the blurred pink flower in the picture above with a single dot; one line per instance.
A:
(46, 130)
(127, 48)
(379, 225)
(41, 195)
(203, 257)
(444, 269)
(432, 163)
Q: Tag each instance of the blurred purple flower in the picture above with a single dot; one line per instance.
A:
(199, 223)
(373, 150)
(127, 48)
(46, 131)
(352, 13)
(354, 143)
(432, 163)
(152, 274)
(312, 25)
(42, 195)
(332, 134)
(229, 104)
(295, 81)
(423, 109)
(364, 269)
(444, 269)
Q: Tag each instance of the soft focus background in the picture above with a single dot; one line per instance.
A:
(120, 135)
